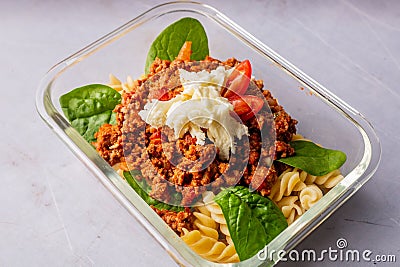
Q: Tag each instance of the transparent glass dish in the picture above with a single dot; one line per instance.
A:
(322, 116)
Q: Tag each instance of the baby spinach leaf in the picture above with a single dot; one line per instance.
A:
(89, 107)
(168, 43)
(143, 189)
(265, 210)
(314, 159)
(253, 221)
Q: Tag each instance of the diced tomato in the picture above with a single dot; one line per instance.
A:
(239, 105)
(155, 135)
(155, 138)
(255, 103)
(238, 82)
(161, 94)
(246, 106)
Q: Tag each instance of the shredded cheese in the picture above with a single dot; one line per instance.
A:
(200, 106)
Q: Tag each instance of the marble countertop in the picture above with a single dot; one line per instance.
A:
(54, 212)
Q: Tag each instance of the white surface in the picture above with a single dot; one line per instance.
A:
(54, 212)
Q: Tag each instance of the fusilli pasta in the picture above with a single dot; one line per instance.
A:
(210, 248)
(205, 240)
(309, 196)
(116, 84)
(291, 208)
(297, 137)
(206, 225)
(296, 191)
(288, 182)
(216, 214)
(326, 181)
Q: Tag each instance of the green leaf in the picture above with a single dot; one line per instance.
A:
(89, 107)
(143, 189)
(253, 220)
(314, 159)
(168, 43)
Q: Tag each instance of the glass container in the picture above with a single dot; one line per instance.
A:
(322, 116)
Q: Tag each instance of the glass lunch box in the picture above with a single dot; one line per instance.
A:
(322, 116)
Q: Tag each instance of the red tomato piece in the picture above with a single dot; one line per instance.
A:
(246, 106)
(161, 94)
(239, 80)
(155, 135)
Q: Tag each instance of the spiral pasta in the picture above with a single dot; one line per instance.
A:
(299, 137)
(205, 240)
(209, 248)
(216, 214)
(296, 191)
(291, 208)
(288, 182)
(117, 85)
(309, 196)
(206, 225)
(326, 181)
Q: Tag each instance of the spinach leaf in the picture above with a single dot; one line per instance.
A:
(143, 189)
(170, 40)
(253, 221)
(89, 107)
(314, 159)
(264, 209)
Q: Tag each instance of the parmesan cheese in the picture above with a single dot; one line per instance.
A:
(200, 110)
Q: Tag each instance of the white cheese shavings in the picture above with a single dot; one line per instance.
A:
(199, 106)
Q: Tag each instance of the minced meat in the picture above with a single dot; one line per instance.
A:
(177, 220)
(108, 143)
(179, 164)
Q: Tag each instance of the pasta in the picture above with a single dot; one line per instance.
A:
(309, 196)
(206, 225)
(296, 191)
(291, 208)
(297, 137)
(329, 180)
(210, 248)
(288, 182)
(216, 214)
(205, 240)
(116, 84)
(325, 181)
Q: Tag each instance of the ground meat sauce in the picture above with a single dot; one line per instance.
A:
(154, 151)
(177, 220)
(109, 144)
